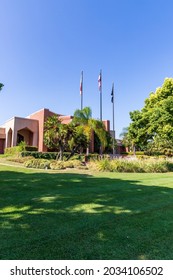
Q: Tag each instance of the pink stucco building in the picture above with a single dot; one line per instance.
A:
(31, 129)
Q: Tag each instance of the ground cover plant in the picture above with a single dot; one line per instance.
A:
(148, 165)
(127, 164)
(73, 215)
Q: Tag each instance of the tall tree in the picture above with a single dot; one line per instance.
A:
(63, 137)
(155, 120)
(78, 140)
(56, 134)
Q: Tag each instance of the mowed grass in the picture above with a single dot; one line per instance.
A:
(65, 215)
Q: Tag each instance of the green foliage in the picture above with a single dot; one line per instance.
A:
(50, 155)
(44, 155)
(133, 166)
(137, 153)
(85, 114)
(73, 136)
(24, 147)
(84, 117)
(13, 150)
(63, 137)
(20, 159)
(56, 134)
(78, 139)
(105, 165)
(31, 148)
(54, 164)
(57, 165)
(21, 149)
(37, 163)
(151, 128)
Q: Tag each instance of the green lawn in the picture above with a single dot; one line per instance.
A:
(80, 216)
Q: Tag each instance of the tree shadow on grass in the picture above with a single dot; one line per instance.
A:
(75, 216)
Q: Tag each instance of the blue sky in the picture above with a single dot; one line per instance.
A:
(45, 44)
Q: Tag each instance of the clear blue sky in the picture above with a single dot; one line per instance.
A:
(44, 45)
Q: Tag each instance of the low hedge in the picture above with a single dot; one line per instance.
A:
(13, 150)
(40, 155)
(47, 155)
(31, 148)
(20, 149)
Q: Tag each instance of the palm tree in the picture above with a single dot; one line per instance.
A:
(84, 117)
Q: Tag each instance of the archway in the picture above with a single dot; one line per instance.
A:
(25, 135)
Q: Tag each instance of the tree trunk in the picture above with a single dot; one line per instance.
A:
(73, 152)
(61, 153)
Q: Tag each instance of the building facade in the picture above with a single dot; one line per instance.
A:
(31, 130)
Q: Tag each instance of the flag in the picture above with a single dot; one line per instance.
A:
(1, 86)
(81, 83)
(112, 94)
(100, 81)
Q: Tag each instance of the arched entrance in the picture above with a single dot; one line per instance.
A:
(25, 135)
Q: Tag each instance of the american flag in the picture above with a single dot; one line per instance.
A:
(100, 81)
(81, 83)
(112, 94)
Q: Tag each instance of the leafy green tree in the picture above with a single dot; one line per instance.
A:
(56, 135)
(155, 120)
(78, 139)
(63, 137)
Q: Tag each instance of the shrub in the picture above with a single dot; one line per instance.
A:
(105, 165)
(37, 163)
(20, 159)
(13, 150)
(31, 148)
(35, 154)
(68, 164)
(76, 163)
(80, 157)
(138, 166)
(57, 165)
(156, 166)
(142, 157)
(20, 150)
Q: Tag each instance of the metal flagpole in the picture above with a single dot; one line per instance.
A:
(100, 87)
(81, 90)
(113, 117)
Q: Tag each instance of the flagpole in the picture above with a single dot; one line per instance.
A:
(100, 89)
(81, 90)
(113, 118)
(101, 95)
